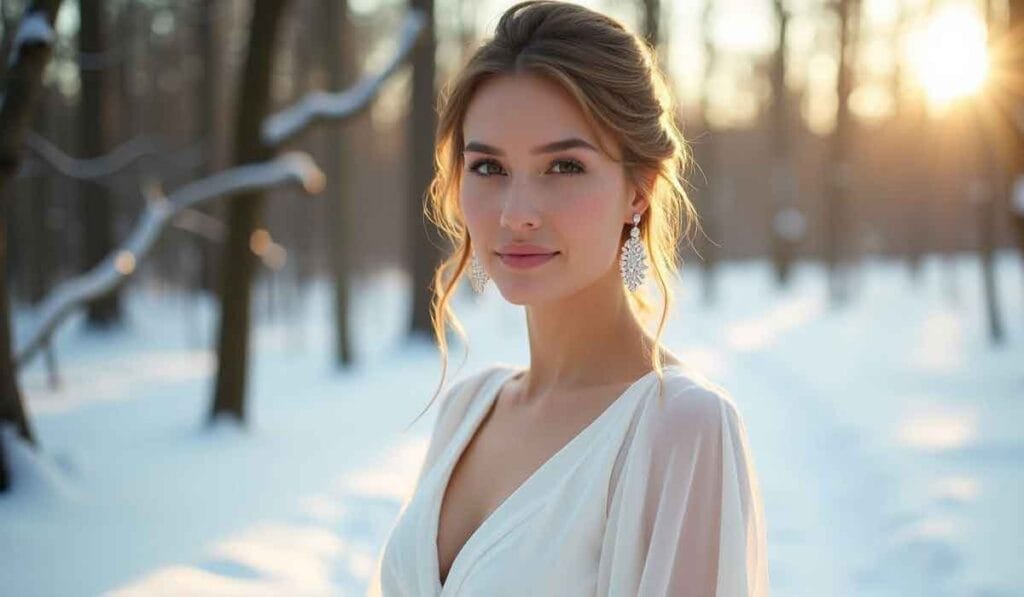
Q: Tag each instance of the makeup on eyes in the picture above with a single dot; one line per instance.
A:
(573, 166)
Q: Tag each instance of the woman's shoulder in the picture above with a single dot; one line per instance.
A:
(453, 405)
(467, 386)
(691, 402)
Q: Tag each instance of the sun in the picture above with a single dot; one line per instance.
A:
(949, 55)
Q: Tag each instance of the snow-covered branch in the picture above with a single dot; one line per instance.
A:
(34, 29)
(30, 52)
(202, 225)
(319, 105)
(189, 219)
(91, 168)
(288, 168)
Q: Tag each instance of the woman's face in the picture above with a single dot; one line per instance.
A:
(534, 174)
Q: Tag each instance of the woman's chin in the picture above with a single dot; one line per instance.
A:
(524, 293)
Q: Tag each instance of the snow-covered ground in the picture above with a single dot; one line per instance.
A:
(887, 437)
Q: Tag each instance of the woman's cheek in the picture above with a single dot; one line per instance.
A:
(584, 206)
(473, 206)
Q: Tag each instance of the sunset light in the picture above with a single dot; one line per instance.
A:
(948, 54)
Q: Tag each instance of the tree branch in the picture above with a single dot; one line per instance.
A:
(90, 168)
(289, 123)
(29, 53)
(289, 168)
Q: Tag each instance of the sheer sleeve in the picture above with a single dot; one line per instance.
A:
(685, 516)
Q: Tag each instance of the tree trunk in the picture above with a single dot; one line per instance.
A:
(208, 101)
(425, 254)
(838, 176)
(96, 202)
(341, 69)
(709, 195)
(989, 182)
(783, 231)
(239, 262)
(22, 87)
(1016, 69)
(652, 22)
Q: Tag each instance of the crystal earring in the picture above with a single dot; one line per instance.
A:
(477, 275)
(633, 263)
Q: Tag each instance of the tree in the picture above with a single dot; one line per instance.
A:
(424, 253)
(96, 207)
(256, 136)
(708, 195)
(30, 51)
(210, 130)
(239, 261)
(1015, 68)
(652, 22)
(787, 221)
(838, 177)
(341, 70)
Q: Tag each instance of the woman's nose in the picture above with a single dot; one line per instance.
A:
(518, 210)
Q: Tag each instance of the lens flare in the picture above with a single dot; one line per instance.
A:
(949, 54)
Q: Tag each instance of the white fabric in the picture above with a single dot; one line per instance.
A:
(651, 499)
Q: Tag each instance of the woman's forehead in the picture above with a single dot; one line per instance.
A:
(522, 112)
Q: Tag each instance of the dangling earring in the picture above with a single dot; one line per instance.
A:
(477, 275)
(633, 263)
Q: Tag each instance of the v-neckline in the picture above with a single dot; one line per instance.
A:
(461, 441)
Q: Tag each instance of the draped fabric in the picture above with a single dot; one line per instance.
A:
(653, 498)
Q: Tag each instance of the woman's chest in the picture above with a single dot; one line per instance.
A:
(542, 539)
(500, 459)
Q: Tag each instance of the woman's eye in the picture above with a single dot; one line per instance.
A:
(567, 167)
(483, 168)
(490, 167)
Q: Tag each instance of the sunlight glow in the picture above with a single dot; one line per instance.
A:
(938, 431)
(949, 54)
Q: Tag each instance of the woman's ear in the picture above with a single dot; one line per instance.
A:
(638, 205)
(641, 196)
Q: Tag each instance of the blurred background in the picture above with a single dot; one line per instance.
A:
(214, 269)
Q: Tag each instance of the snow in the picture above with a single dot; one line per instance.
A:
(279, 128)
(34, 29)
(90, 168)
(886, 435)
(290, 167)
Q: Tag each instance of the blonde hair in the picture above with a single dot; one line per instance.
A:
(613, 75)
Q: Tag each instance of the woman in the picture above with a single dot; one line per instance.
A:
(607, 467)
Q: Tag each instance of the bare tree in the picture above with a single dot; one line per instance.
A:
(989, 181)
(30, 51)
(266, 136)
(709, 193)
(786, 228)
(239, 262)
(652, 22)
(96, 206)
(424, 240)
(839, 175)
(1015, 66)
(340, 53)
(908, 122)
(210, 130)
(114, 270)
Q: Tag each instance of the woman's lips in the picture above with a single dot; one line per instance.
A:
(526, 261)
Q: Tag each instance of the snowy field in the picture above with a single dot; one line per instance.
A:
(886, 435)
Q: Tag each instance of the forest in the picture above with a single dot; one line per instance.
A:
(216, 278)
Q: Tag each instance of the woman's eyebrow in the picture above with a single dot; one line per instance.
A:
(570, 143)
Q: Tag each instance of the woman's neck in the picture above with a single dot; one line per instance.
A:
(591, 338)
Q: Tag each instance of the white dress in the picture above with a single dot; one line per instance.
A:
(650, 499)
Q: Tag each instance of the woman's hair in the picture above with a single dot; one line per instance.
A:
(613, 75)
